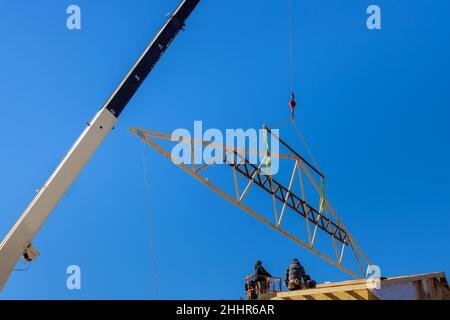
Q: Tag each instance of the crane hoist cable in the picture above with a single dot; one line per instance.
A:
(291, 47)
(293, 103)
(150, 220)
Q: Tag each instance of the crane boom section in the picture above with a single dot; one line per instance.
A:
(19, 239)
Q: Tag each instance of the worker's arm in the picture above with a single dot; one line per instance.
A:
(18, 240)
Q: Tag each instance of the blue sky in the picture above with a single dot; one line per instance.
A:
(374, 106)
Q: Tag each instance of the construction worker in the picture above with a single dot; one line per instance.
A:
(262, 277)
(292, 105)
(295, 273)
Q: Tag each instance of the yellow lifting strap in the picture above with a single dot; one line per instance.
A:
(323, 200)
(266, 141)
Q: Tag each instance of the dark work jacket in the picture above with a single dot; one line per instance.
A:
(295, 271)
(261, 272)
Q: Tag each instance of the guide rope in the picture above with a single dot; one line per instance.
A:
(150, 221)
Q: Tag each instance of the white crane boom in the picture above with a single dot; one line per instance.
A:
(18, 242)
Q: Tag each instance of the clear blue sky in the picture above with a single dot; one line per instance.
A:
(374, 106)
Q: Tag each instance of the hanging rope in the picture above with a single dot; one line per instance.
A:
(150, 220)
